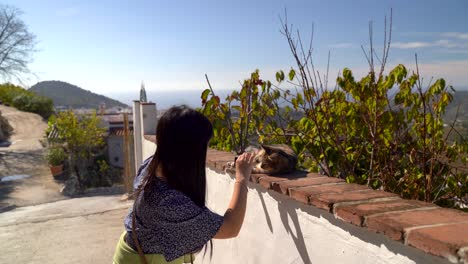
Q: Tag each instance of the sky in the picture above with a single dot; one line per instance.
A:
(112, 46)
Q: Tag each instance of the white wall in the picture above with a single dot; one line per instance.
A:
(148, 149)
(278, 229)
(115, 151)
(137, 134)
(148, 118)
(115, 146)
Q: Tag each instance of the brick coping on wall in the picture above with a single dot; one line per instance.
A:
(151, 138)
(438, 231)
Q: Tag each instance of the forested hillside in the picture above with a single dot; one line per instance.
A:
(69, 95)
(460, 105)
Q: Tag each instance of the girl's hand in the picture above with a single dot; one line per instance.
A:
(244, 165)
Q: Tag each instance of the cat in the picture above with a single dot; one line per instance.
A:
(272, 159)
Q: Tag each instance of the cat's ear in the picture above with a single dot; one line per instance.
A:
(268, 149)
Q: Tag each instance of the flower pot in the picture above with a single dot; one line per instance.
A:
(56, 170)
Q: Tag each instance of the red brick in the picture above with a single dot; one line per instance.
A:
(441, 241)
(226, 157)
(256, 177)
(314, 174)
(268, 181)
(303, 194)
(283, 186)
(299, 195)
(357, 213)
(394, 224)
(216, 155)
(210, 163)
(327, 200)
(222, 164)
(217, 160)
(231, 171)
(151, 138)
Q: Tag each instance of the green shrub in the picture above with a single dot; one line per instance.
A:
(362, 131)
(26, 101)
(5, 128)
(384, 130)
(84, 140)
(56, 156)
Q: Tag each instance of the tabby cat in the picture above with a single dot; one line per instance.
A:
(272, 159)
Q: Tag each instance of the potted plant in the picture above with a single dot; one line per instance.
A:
(55, 157)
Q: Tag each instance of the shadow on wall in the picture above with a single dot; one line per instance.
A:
(285, 209)
(289, 208)
(298, 238)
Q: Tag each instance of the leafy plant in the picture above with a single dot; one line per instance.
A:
(56, 156)
(5, 128)
(384, 130)
(25, 100)
(83, 137)
(239, 119)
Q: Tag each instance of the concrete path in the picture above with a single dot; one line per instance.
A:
(25, 156)
(37, 223)
(80, 230)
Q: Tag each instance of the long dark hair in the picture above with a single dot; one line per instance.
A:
(182, 137)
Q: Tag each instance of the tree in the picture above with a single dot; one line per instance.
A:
(25, 100)
(83, 138)
(16, 44)
(384, 130)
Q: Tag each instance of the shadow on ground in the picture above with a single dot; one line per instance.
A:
(38, 185)
(12, 162)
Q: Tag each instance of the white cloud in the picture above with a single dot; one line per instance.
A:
(453, 71)
(446, 40)
(458, 35)
(456, 51)
(441, 43)
(341, 45)
(410, 45)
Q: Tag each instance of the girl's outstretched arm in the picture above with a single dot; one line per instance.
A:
(234, 216)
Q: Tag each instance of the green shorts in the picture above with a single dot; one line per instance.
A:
(124, 254)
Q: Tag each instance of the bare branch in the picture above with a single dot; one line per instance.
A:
(16, 44)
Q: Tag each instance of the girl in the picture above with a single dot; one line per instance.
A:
(169, 220)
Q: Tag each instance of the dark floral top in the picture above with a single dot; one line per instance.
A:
(168, 222)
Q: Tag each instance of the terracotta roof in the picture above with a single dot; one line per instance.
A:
(119, 132)
(115, 118)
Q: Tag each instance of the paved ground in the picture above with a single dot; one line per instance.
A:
(80, 230)
(25, 156)
(37, 223)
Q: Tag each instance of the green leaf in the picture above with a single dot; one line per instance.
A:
(205, 94)
(217, 100)
(292, 74)
(280, 76)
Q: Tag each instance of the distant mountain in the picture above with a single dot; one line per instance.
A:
(458, 107)
(69, 95)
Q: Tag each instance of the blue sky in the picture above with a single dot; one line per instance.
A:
(111, 46)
